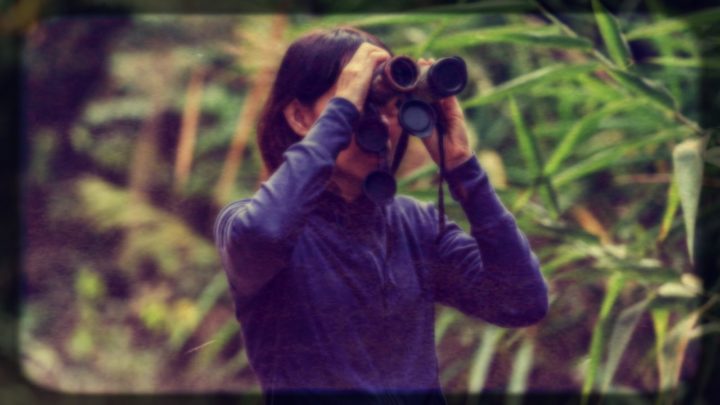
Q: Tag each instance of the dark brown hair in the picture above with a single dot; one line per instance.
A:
(310, 67)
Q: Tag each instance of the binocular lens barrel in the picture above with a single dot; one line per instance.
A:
(444, 78)
(396, 75)
(400, 74)
(403, 72)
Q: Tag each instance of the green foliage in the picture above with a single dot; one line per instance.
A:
(523, 83)
(158, 236)
(688, 169)
(612, 35)
(594, 155)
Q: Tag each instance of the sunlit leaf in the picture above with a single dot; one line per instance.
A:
(510, 35)
(597, 343)
(531, 153)
(522, 365)
(688, 172)
(671, 207)
(650, 89)
(480, 365)
(683, 23)
(583, 128)
(615, 155)
(612, 35)
(527, 81)
(697, 63)
(620, 337)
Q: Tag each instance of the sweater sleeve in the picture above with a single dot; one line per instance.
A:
(255, 236)
(492, 273)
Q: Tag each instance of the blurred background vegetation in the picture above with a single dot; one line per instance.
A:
(139, 129)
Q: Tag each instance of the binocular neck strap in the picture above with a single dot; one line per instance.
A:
(399, 151)
(397, 158)
(441, 196)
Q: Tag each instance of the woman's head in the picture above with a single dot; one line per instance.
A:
(308, 71)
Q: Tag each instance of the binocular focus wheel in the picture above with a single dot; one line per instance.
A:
(380, 187)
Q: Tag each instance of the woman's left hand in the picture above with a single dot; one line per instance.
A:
(455, 139)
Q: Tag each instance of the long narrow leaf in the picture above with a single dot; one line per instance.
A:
(688, 172)
(474, 38)
(490, 6)
(671, 207)
(668, 26)
(443, 322)
(697, 63)
(481, 361)
(531, 153)
(527, 81)
(652, 90)
(620, 337)
(581, 130)
(612, 35)
(611, 156)
(522, 365)
(615, 284)
(660, 318)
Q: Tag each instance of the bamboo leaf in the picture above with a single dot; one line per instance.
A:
(526, 141)
(522, 365)
(523, 83)
(418, 16)
(615, 284)
(673, 202)
(620, 337)
(443, 322)
(660, 325)
(649, 89)
(483, 356)
(531, 153)
(513, 35)
(612, 156)
(688, 172)
(612, 36)
(697, 63)
(668, 26)
(581, 130)
(490, 6)
(372, 20)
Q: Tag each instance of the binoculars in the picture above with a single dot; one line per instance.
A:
(418, 87)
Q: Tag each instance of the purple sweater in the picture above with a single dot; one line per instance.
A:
(334, 295)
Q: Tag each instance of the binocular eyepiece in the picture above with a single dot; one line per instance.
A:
(400, 74)
(418, 87)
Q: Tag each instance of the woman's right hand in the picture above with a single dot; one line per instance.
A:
(354, 81)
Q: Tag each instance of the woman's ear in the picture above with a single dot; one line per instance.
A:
(299, 117)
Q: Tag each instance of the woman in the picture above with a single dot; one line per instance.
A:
(334, 293)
